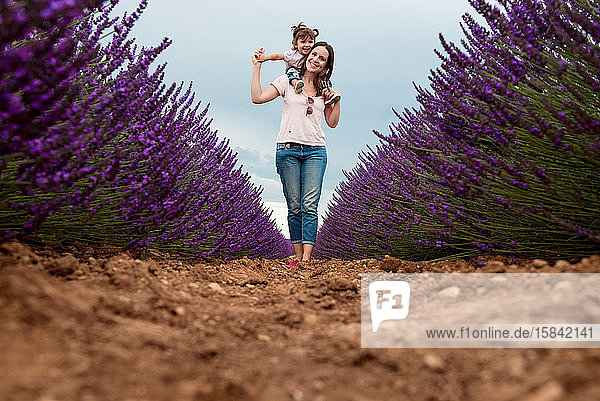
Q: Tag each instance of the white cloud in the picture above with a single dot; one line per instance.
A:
(280, 215)
(272, 191)
(250, 131)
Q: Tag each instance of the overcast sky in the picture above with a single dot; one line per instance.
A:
(381, 48)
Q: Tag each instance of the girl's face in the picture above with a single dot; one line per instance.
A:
(317, 59)
(304, 44)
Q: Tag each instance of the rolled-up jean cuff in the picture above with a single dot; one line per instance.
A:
(297, 242)
(308, 243)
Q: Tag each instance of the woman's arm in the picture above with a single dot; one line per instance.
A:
(332, 112)
(256, 93)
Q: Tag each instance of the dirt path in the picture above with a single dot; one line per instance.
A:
(128, 329)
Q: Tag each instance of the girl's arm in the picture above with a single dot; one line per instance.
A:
(256, 93)
(271, 57)
(332, 112)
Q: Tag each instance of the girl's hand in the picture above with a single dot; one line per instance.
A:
(330, 92)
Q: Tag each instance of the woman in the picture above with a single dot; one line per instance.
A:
(301, 156)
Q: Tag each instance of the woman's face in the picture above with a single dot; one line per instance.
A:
(317, 59)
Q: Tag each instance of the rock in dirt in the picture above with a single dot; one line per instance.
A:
(563, 265)
(516, 366)
(14, 249)
(539, 263)
(591, 261)
(152, 267)
(63, 266)
(450, 292)
(391, 265)
(552, 391)
(227, 391)
(434, 362)
(311, 318)
(495, 266)
(297, 395)
(216, 287)
(264, 337)
(119, 263)
(252, 278)
(326, 302)
(341, 284)
(290, 318)
(15, 252)
(122, 280)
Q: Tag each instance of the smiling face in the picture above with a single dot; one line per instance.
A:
(304, 44)
(316, 61)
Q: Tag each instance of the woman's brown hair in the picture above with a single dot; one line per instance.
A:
(327, 70)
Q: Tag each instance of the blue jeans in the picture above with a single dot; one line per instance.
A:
(301, 169)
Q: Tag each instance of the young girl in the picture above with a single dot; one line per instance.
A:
(303, 38)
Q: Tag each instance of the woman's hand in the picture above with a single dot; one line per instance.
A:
(257, 56)
(332, 112)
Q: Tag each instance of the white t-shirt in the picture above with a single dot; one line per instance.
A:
(292, 58)
(296, 126)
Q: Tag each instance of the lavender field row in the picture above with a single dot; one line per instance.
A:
(97, 148)
(502, 155)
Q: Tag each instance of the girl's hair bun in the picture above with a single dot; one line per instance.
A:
(302, 31)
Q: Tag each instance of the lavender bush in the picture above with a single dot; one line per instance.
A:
(97, 148)
(502, 156)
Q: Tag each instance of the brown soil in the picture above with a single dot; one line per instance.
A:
(127, 329)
